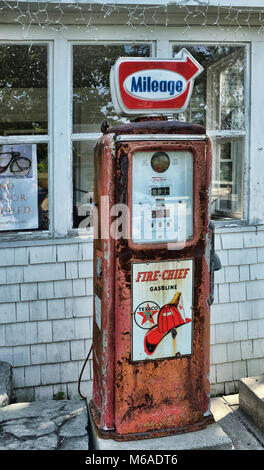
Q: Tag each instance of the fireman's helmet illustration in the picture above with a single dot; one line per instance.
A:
(170, 316)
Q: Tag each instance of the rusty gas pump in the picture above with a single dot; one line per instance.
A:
(152, 275)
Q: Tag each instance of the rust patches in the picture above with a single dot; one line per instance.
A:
(134, 404)
(122, 283)
(150, 118)
(121, 175)
(152, 126)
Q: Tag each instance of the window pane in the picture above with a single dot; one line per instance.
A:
(217, 100)
(91, 92)
(83, 174)
(23, 89)
(232, 93)
(43, 193)
(24, 187)
(227, 190)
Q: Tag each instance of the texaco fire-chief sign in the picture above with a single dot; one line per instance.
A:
(162, 309)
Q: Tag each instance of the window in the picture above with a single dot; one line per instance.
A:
(91, 106)
(218, 102)
(24, 137)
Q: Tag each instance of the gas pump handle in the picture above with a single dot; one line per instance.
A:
(215, 264)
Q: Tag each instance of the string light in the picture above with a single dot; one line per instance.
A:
(39, 14)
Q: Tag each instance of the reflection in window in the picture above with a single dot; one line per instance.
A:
(225, 92)
(219, 90)
(231, 78)
(83, 173)
(43, 193)
(23, 89)
(218, 102)
(92, 102)
(227, 189)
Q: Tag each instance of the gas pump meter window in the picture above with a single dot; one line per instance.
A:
(160, 162)
(162, 196)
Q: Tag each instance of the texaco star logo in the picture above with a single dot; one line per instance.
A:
(145, 314)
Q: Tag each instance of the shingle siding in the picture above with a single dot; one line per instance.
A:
(45, 317)
(237, 315)
(46, 314)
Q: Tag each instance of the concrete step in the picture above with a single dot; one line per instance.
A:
(238, 427)
(5, 383)
(251, 399)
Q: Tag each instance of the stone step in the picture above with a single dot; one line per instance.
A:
(251, 399)
(5, 383)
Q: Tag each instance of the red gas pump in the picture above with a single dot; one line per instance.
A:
(152, 289)
(152, 263)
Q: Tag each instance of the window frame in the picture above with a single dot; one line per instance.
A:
(35, 139)
(224, 134)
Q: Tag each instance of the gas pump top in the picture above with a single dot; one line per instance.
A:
(157, 125)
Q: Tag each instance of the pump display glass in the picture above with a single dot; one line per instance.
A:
(162, 196)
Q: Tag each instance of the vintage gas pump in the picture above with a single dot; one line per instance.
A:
(152, 263)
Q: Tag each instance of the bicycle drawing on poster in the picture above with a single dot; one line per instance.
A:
(18, 187)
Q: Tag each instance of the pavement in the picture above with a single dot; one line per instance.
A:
(62, 425)
(44, 425)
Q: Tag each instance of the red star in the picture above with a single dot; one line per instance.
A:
(148, 315)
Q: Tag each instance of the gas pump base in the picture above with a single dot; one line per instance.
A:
(158, 433)
(211, 437)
